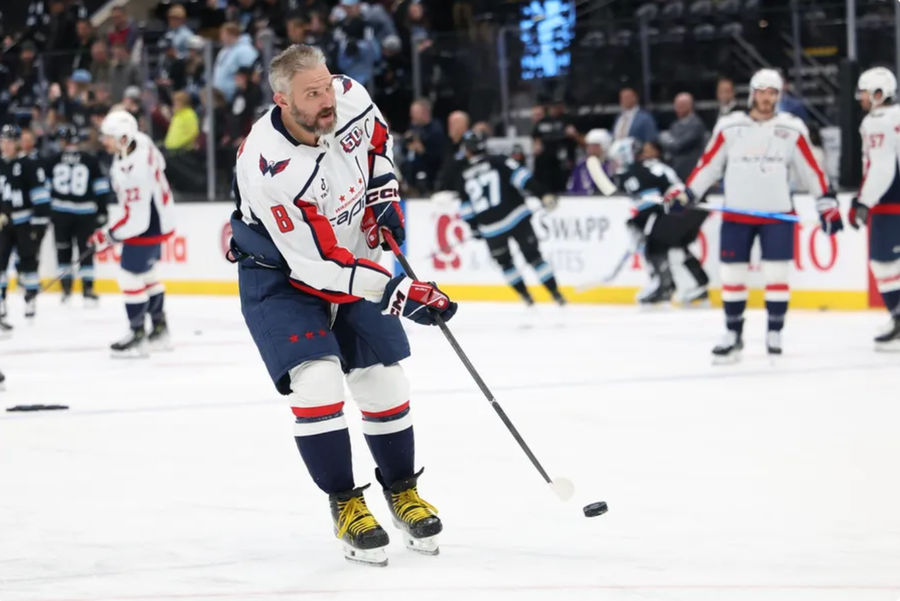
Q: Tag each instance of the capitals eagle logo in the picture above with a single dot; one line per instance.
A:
(273, 168)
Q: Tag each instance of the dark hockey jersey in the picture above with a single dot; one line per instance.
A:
(23, 191)
(492, 190)
(646, 181)
(77, 184)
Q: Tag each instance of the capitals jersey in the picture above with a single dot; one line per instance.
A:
(755, 157)
(880, 131)
(491, 188)
(23, 191)
(77, 184)
(144, 212)
(310, 200)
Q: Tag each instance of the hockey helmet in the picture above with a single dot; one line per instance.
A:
(765, 79)
(475, 142)
(877, 79)
(601, 137)
(622, 153)
(68, 134)
(119, 124)
(11, 131)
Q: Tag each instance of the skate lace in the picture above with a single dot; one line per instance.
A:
(410, 507)
(355, 517)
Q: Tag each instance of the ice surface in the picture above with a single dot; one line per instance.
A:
(177, 477)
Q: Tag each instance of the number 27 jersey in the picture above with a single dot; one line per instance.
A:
(490, 188)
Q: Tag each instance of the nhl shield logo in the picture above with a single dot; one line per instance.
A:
(273, 168)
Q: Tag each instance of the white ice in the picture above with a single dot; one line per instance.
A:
(177, 477)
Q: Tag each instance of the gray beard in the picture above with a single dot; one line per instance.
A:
(300, 119)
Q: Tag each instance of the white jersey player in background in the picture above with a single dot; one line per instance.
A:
(878, 203)
(142, 219)
(754, 152)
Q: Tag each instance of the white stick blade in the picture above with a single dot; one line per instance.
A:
(563, 487)
(595, 170)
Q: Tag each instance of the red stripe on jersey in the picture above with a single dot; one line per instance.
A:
(885, 209)
(374, 265)
(148, 240)
(777, 287)
(733, 287)
(121, 221)
(324, 236)
(320, 411)
(378, 143)
(707, 157)
(750, 219)
(392, 411)
(808, 155)
(339, 298)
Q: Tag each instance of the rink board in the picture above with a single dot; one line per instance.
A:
(583, 240)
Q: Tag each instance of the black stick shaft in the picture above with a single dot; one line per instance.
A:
(70, 269)
(469, 367)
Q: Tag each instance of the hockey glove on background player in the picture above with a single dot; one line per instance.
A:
(859, 214)
(677, 197)
(829, 214)
(383, 211)
(418, 301)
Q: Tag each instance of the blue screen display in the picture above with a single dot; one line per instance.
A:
(547, 30)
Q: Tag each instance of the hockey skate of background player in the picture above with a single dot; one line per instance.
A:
(649, 177)
(26, 202)
(754, 152)
(142, 220)
(491, 188)
(878, 203)
(79, 193)
(314, 188)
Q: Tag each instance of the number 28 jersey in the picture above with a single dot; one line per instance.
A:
(77, 184)
(491, 188)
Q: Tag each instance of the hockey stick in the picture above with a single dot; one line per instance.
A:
(563, 487)
(601, 180)
(71, 268)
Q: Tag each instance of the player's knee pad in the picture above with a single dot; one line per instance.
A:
(775, 274)
(734, 281)
(382, 394)
(317, 396)
(133, 288)
(152, 283)
(887, 275)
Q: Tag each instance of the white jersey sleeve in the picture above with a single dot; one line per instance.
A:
(880, 133)
(804, 161)
(145, 210)
(711, 166)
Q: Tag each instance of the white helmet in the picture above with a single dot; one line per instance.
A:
(877, 79)
(600, 137)
(764, 79)
(119, 124)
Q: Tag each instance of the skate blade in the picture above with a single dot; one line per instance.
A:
(892, 346)
(129, 354)
(371, 557)
(427, 545)
(726, 359)
(162, 346)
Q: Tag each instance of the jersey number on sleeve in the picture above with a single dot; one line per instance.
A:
(70, 179)
(484, 190)
(282, 219)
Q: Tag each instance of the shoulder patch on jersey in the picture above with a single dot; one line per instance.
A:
(352, 140)
(346, 82)
(273, 168)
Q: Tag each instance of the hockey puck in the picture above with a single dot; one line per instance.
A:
(594, 509)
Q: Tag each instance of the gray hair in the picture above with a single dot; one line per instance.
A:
(290, 61)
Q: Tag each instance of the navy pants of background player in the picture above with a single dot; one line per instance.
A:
(776, 240)
(138, 278)
(884, 257)
(310, 347)
(71, 231)
(526, 239)
(24, 239)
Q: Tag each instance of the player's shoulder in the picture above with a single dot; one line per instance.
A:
(788, 121)
(732, 119)
(349, 93)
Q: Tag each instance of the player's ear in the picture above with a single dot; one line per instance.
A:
(280, 99)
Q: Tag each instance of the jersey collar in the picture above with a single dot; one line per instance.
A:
(278, 124)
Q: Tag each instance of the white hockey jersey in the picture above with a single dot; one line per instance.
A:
(145, 210)
(755, 157)
(311, 199)
(880, 132)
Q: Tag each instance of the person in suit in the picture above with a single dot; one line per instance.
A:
(633, 121)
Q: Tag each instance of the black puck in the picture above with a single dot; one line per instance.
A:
(594, 509)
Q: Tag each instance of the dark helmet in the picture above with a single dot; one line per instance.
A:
(68, 134)
(475, 142)
(11, 131)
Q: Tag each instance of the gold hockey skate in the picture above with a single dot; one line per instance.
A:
(363, 538)
(412, 514)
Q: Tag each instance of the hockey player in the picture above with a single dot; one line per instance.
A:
(27, 203)
(79, 192)
(754, 152)
(878, 202)
(143, 219)
(491, 188)
(661, 232)
(314, 185)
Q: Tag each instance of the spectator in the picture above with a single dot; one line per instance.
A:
(557, 145)
(318, 35)
(195, 67)
(170, 74)
(85, 32)
(424, 147)
(237, 51)
(247, 99)
(357, 53)
(457, 125)
(184, 127)
(101, 67)
(597, 143)
(684, 141)
(178, 32)
(60, 38)
(131, 102)
(725, 96)
(295, 29)
(25, 89)
(633, 121)
(73, 104)
(271, 14)
(123, 30)
(484, 128)
(788, 103)
(123, 73)
(244, 13)
(28, 144)
(378, 22)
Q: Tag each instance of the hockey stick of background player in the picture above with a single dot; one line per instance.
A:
(72, 267)
(563, 487)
